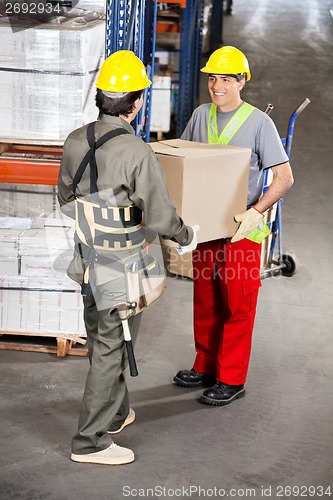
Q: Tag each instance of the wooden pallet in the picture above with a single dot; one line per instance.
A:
(61, 346)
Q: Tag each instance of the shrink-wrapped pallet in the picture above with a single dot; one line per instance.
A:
(48, 73)
(36, 295)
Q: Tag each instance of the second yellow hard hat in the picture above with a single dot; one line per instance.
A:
(227, 61)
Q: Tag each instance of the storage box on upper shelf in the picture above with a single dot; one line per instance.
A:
(67, 44)
(47, 85)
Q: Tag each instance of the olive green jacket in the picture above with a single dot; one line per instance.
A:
(128, 173)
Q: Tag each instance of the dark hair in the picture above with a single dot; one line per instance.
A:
(119, 106)
(238, 76)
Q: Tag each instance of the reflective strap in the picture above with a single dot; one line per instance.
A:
(259, 233)
(84, 221)
(104, 213)
(108, 228)
(116, 214)
(127, 214)
(231, 127)
(116, 230)
(81, 233)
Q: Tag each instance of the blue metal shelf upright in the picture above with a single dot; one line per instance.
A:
(189, 61)
(131, 25)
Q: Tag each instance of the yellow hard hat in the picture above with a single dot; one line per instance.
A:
(122, 72)
(227, 61)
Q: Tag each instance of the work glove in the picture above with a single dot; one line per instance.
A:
(193, 245)
(249, 220)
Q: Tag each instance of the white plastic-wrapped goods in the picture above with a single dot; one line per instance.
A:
(48, 73)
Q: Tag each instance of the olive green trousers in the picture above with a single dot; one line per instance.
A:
(105, 399)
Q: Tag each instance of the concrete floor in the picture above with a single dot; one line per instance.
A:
(281, 434)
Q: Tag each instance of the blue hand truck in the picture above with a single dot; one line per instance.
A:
(274, 261)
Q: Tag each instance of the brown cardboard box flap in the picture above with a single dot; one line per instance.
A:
(175, 147)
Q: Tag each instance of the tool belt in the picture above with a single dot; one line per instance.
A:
(113, 236)
(144, 277)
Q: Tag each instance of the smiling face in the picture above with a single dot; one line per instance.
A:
(224, 91)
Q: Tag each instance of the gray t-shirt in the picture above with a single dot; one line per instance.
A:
(257, 133)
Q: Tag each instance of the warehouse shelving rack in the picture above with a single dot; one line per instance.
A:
(190, 58)
(131, 25)
(23, 162)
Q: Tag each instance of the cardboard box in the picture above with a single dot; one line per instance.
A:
(180, 264)
(207, 183)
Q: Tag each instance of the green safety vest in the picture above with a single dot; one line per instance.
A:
(231, 127)
(234, 124)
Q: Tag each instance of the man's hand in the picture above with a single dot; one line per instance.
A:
(193, 245)
(249, 220)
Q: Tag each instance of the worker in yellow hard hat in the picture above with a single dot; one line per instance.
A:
(227, 271)
(109, 179)
(228, 61)
(122, 72)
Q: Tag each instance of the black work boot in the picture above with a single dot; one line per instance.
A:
(222, 394)
(192, 378)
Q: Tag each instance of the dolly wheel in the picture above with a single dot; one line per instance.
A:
(290, 265)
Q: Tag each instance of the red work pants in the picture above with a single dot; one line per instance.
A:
(226, 285)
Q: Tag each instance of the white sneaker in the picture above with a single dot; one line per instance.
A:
(129, 420)
(114, 455)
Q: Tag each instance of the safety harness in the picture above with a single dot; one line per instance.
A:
(231, 127)
(101, 229)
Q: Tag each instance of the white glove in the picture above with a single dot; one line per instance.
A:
(249, 220)
(193, 245)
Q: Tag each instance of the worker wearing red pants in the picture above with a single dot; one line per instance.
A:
(225, 298)
(227, 272)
